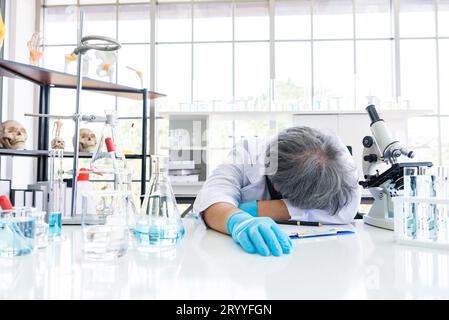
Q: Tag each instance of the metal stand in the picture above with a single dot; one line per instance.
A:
(86, 44)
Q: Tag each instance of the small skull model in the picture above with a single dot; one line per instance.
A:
(57, 143)
(88, 140)
(12, 135)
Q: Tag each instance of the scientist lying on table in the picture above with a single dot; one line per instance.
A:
(303, 174)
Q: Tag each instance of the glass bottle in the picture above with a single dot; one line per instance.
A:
(159, 223)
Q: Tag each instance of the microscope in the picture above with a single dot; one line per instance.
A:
(383, 173)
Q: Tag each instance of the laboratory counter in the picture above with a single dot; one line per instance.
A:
(209, 265)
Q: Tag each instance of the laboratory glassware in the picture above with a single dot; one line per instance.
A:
(41, 229)
(442, 209)
(409, 223)
(159, 223)
(425, 188)
(56, 201)
(109, 161)
(425, 206)
(17, 232)
(109, 156)
(105, 228)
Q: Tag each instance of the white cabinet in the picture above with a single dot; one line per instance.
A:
(206, 138)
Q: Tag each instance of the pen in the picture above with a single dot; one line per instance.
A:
(301, 223)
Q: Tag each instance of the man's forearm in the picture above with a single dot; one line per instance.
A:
(217, 215)
(275, 209)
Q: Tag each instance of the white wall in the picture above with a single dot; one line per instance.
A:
(19, 96)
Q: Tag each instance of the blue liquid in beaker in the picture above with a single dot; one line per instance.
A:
(16, 236)
(54, 224)
(160, 232)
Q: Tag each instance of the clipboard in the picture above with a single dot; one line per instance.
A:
(331, 232)
(305, 232)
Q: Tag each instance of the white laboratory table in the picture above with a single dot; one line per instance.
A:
(209, 265)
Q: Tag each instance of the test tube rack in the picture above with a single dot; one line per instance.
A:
(401, 207)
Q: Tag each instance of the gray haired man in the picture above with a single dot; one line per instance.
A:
(303, 174)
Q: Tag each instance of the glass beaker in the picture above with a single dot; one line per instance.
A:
(105, 229)
(159, 223)
(17, 232)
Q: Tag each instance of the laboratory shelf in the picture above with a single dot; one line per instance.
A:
(55, 79)
(187, 184)
(47, 80)
(44, 153)
(185, 148)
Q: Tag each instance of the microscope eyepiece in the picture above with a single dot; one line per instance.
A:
(372, 112)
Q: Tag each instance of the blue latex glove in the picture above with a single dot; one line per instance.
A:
(250, 207)
(260, 235)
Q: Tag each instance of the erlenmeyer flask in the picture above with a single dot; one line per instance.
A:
(109, 156)
(109, 161)
(159, 223)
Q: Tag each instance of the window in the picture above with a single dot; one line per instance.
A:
(293, 85)
(333, 19)
(229, 56)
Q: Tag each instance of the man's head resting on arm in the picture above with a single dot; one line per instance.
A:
(311, 169)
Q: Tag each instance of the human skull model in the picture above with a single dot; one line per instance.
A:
(88, 140)
(12, 135)
(57, 143)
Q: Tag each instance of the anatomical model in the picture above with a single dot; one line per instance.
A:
(12, 135)
(88, 140)
(57, 142)
(107, 65)
(2, 30)
(71, 58)
(36, 48)
(138, 73)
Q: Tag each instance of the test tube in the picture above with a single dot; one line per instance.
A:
(410, 208)
(425, 228)
(56, 193)
(441, 208)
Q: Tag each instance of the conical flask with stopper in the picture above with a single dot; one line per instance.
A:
(108, 157)
(109, 162)
(159, 223)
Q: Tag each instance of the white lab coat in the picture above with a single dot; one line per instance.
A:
(240, 178)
